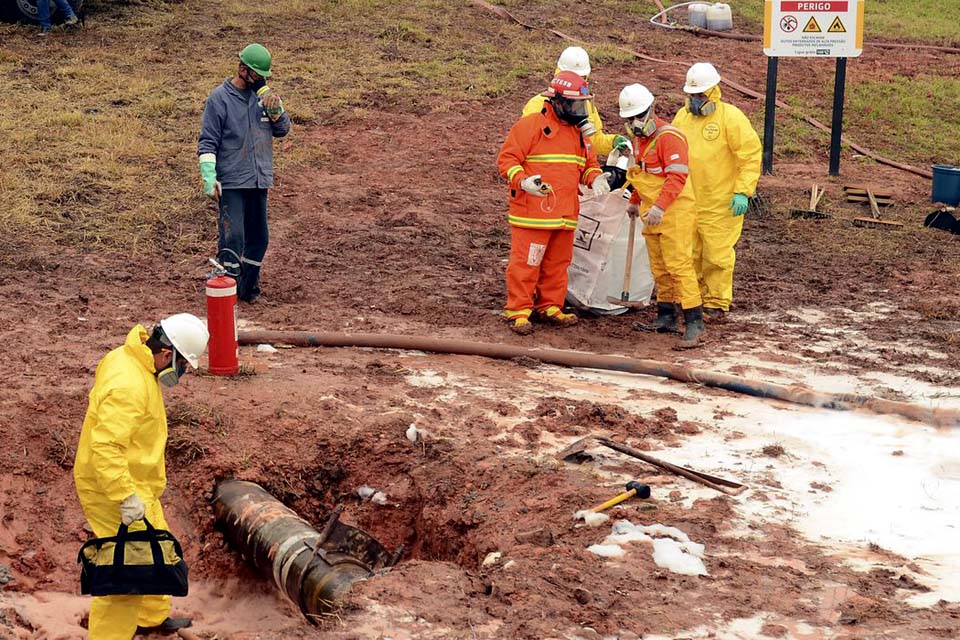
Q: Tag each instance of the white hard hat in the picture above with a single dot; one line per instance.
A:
(634, 100)
(188, 335)
(574, 59)
(701, 77)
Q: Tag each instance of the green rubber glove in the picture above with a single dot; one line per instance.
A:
(274, 113)
(621, 144)
(739, 204)
(208, 171)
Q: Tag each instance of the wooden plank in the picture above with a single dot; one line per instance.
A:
(883, 202)
(863, 192)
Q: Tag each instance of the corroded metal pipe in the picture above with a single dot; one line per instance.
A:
(797, 394)
(312, 569)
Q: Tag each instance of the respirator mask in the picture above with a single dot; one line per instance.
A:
(700, 105)
(575, 113)
(253, 84)
(643, 125)
(170, 376)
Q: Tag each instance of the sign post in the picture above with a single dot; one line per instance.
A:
(810, 28)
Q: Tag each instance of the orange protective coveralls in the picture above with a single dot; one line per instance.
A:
(661, 177)
(541, 239)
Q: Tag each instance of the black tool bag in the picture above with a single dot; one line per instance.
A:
(145, 563)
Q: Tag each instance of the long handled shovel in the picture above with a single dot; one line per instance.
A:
(576, 450)
(624, 299)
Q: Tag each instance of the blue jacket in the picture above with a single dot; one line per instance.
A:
(237, 130)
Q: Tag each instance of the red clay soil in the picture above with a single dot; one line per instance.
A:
(416, 243)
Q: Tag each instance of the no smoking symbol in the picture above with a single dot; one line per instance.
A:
(788, 23)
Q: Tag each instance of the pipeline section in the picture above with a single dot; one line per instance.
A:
(796, 394)
(312, 569)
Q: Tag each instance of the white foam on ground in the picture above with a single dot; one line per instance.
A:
(907, 504)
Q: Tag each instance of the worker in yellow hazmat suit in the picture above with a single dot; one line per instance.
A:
(119, 469)
(577, 60)
(725, 154)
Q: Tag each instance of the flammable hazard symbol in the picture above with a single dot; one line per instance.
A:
(812, 26)
(837, 26)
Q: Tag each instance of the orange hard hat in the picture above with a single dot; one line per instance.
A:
(569, 85)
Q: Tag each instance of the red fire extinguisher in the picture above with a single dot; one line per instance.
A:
(222, 324)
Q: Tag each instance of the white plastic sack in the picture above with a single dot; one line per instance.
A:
(600, 255)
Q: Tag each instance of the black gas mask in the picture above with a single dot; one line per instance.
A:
(573, 112)
(253, 81)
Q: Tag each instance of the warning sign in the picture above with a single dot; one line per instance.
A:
(824, 7)
(802, 28)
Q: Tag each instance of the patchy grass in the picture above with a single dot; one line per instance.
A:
(100, 138)
(194, 416)
(914, 113)
(916, 20)
(101, 150)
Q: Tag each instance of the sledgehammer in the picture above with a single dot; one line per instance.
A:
(633, 488)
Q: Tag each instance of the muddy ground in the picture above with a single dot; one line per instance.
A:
(417, 245)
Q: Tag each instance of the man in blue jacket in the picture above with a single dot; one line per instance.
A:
(242, 117)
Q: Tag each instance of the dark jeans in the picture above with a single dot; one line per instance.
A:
(43, 12)
(243, 237)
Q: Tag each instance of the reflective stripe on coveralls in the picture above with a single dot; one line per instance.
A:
(661, 177)
(542, 144)
(121, 452)
(725, 156)
(542, 228)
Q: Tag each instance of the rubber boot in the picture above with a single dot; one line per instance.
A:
(521, 326)
(693, 328)
(666, 321)
(713, 315)
(168, 626)
(555, 315)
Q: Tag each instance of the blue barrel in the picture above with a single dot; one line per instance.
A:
(946, 184)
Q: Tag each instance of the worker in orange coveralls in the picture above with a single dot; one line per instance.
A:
(545, 158)
(663, 195)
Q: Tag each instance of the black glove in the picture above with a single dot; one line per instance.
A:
(616, 176)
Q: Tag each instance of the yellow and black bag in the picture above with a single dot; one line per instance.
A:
(148, 562)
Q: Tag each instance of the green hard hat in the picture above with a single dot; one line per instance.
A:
(257, 58)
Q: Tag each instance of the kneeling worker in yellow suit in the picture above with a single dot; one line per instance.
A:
(119, 469)
(664, 192)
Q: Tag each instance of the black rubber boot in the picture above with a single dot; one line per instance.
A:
(168, 626)
(693, 329)
(666, 321)
(713, 315)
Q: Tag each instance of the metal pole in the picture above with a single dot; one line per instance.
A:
(836, 128)
(770, 114)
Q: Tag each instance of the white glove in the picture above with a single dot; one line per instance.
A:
(132, 509)
(633, 210)
(600, 186)
(532, 186)
(654, 216)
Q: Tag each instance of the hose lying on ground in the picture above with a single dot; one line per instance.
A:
(796, 394)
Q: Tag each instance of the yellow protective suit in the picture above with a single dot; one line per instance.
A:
(121, 452)
(661, 162)
(602, 142)
(725, 154)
